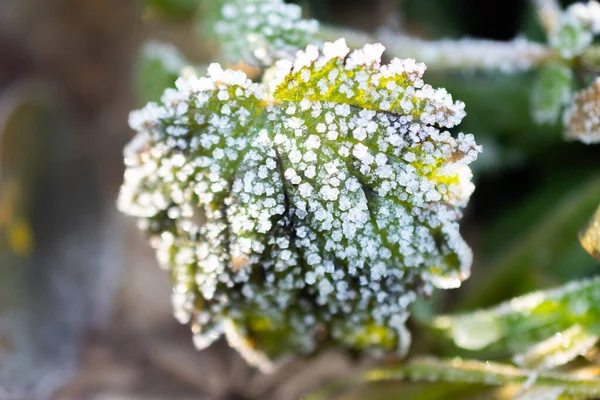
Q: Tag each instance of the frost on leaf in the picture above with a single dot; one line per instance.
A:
(527, 326)
(310, 213)
(551, 91)
(577, 28)
(258, 32)
(582, 119)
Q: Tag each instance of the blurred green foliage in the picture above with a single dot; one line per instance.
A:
(159, 65)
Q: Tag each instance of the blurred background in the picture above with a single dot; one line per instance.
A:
(84, 308)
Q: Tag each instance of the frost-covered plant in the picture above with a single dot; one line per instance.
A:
(259, 32)
(313, 210)
(576, 29)
(571, 35)
(314, 207)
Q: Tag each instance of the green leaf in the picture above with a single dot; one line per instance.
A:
(310, 214)
(257, 32)
(496, 374)
(571, 39)
(519, 383)
(590, 236)
(520, 324)
(551, 91)
(559, 349)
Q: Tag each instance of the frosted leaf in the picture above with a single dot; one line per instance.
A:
(528, 325)
(475, 331)
(558, 350)
(551, 91)
(547, 385)
(258, 32)
(582, 118)
(360, 81)
(285, 237)
(577, 27)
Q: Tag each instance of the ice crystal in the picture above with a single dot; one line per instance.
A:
(310, 211)
(259, 32)
(582, 119)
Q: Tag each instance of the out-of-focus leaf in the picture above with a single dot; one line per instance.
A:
(571, 39)
(576, 28)
(581, 119)
(411, 391)
(159, 66)
(551, 90)
(559, 349)
(489, 373)
(546, 240)
(521, 323)
(257, 32)
(547, 393)
(517, 382)
(590, 236)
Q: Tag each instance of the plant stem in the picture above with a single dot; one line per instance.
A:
(475, 54)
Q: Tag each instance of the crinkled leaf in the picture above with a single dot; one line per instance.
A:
(303, 215)
(522, 323)
(590, 236)
(551, 91)
(257, 32)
